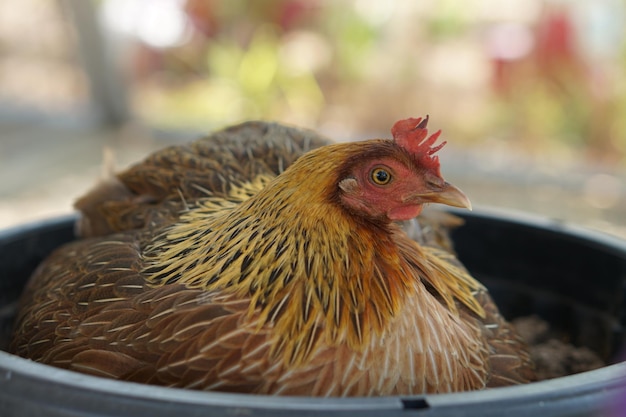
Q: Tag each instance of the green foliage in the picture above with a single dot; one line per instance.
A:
(248, 68)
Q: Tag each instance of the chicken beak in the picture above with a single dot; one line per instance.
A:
(446, 194)
(452, 196)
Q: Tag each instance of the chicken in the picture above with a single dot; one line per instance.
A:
(265, 260)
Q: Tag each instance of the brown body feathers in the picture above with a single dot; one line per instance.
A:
(265, 259)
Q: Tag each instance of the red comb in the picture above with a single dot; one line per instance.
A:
(410, 134)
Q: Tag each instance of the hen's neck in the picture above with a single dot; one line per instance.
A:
(310, 269)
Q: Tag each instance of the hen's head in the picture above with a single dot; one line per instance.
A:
(394, 179)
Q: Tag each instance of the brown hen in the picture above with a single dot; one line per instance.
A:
(263, 259)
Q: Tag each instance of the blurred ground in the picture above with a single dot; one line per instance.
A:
(44, 169)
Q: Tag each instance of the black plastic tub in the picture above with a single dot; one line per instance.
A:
(574, 279)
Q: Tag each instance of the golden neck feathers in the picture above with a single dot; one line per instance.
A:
(310, 269)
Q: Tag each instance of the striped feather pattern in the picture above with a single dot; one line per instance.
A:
(212, 273)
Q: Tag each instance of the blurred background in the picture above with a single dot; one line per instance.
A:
(530, 94)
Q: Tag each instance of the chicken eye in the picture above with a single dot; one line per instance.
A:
(380, 176)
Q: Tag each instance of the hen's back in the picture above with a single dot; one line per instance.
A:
(155, 190)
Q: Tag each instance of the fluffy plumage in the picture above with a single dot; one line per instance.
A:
(258, 260)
